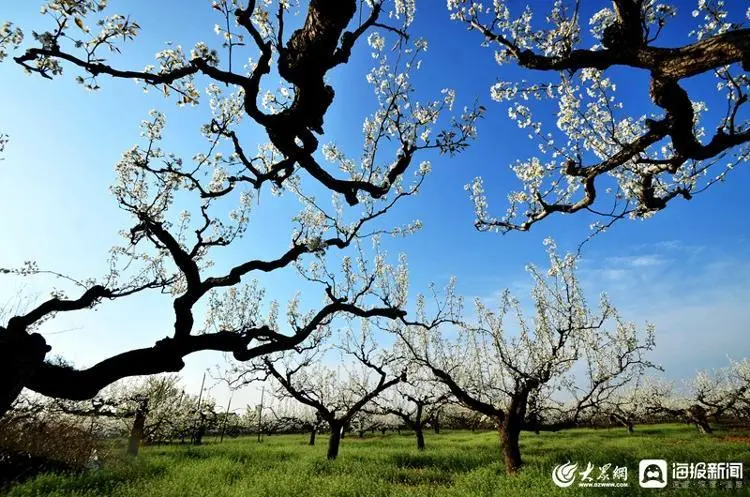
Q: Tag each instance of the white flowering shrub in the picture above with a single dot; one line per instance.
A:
(596, 154)
(185, 210)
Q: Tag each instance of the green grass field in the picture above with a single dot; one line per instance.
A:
(454, 464)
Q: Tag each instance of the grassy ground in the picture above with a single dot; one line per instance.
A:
(454, 464)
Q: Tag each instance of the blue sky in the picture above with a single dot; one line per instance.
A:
(686, 269)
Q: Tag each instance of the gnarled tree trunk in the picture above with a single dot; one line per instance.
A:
(624, 421)
(20, 356)
(699, 417)
(509, 439)
(703, 426)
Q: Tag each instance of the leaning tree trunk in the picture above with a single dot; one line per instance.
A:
(703, 426)
(699, 416)
(20, 356)
(624, 421)
(334, 441)
(420, 436)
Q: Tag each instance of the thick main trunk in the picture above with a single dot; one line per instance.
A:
(436, 424)
(199, 432)
(509, 438)
(703, 426)
(312, 436)
(420, 437)
(334, 441)
(699, 416)
(624, 421)
(136, 433)
(510, 425)
(10, 388)
(20, 356)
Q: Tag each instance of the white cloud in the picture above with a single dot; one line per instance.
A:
(694, 295)
(647, 260)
